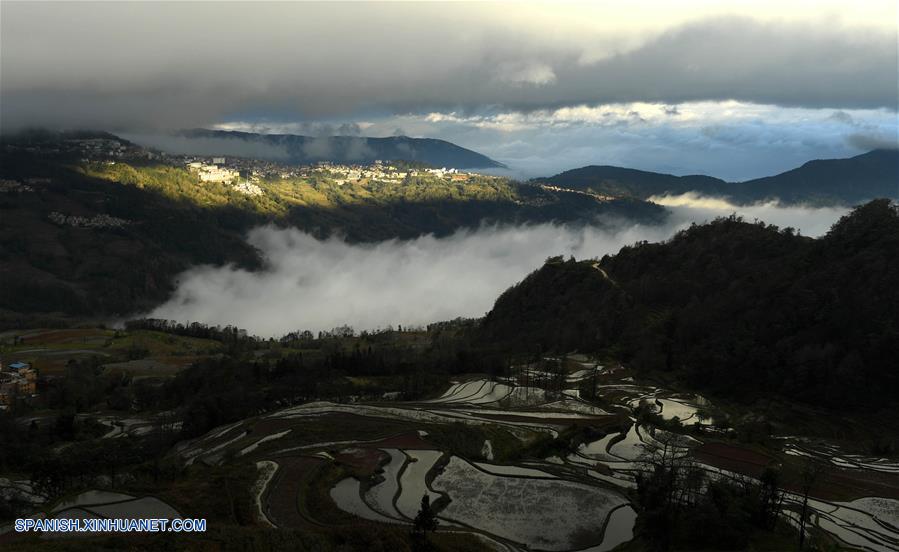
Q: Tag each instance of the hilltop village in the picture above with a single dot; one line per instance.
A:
(245, 174)
(242, 173)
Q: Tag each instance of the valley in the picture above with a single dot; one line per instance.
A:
(98, 225)
(449, 277)
(602, 404)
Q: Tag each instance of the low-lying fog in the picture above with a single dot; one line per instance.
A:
(318, 285)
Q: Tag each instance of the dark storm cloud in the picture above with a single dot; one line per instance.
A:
(168, 65)
(742, 59)
(177, 144)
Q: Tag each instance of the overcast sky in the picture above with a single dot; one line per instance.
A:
(734, 89)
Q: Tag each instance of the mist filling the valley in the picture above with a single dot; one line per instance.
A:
(312, 284)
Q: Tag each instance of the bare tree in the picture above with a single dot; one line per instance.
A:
(812, 472)
(668, 482)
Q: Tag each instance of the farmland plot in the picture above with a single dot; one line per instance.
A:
(543, 514)
(347, 496)
(380, 496)
(413, 481)
(109, 505)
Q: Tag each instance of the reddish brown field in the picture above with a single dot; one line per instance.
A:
(362, 462)
(60, 336)
(839, 484)
(268, 426)
(733, 458)
(282, 501)
(842, 484)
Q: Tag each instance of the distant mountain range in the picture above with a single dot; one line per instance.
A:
(350, 149)
(828, 181)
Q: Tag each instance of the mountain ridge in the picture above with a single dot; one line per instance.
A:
(301, 149)
(845, 181)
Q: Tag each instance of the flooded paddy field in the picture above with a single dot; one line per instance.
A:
(373, 462)
(381, 458)
(378, 459)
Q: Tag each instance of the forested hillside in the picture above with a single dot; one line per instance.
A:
(731, 306)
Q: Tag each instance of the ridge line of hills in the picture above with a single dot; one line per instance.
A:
(845, 181)
(302, 149)
(818, 182)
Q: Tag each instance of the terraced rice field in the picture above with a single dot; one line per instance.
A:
(413, 482)
(547, 514)
(387, 461)
(382, 495)
(347, 495)
(110, 505)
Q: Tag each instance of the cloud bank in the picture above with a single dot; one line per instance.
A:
(176, 65)
(692, 207)
(321, 284)
(185, 145)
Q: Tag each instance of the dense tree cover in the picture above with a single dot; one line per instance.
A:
(546, 311)
(92, 271)
(733, 307)
(227, 334)
(257, 374)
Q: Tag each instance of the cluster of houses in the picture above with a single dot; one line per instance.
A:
(452, 174)
(216, 170)
(383, 172)
(13, 186)
(248, 188)
(106, 148)
(99, 146)
(598, 197)
(96, 221)
(258, 169)
(343, 174)
(17, 380)
(212, 172)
